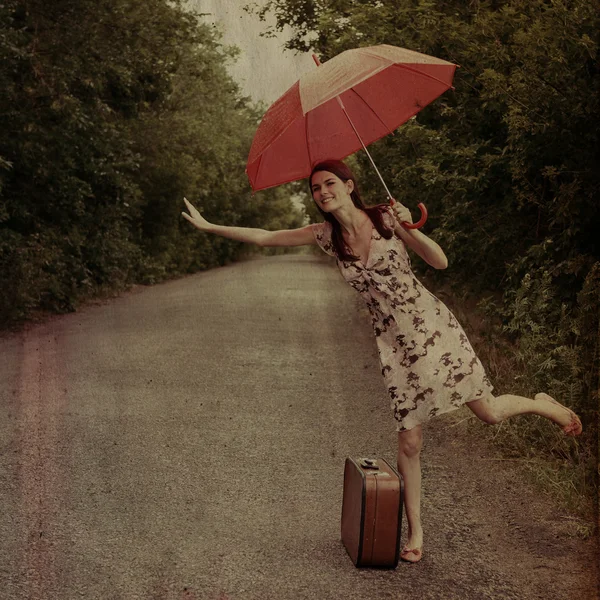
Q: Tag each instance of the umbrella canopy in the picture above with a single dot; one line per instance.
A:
(381, 87)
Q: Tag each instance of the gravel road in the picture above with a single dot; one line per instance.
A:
(187, 441)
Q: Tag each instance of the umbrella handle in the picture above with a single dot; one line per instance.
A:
(420, 222)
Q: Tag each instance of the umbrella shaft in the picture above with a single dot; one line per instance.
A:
(364, 147)
(318, 63)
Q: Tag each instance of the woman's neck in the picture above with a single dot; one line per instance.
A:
(351, 219)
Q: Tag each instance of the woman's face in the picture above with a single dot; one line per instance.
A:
(329, 191)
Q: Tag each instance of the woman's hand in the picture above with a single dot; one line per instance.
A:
(401, 213)
(195, 218)
(425, 247)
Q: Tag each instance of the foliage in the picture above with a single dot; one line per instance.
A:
(111, 111)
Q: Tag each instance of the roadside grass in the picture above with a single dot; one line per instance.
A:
(563, 467)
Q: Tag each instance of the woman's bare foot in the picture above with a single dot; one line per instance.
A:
(413, 549)
(565, 417)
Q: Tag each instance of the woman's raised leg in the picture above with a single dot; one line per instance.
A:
(409, 466)
(493, 410)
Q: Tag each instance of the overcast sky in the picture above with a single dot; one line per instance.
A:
(264, 70)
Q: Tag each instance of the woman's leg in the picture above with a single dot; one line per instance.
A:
(493, 410)
(409, 466)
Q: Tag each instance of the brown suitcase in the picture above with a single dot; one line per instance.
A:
(372, 512)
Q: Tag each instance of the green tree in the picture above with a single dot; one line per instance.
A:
(110, 112)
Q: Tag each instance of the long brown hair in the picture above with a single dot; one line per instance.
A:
(375, 213)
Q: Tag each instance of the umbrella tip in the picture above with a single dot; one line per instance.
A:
(316, 59)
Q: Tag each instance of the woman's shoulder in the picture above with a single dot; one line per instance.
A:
(384, 209)
(385, 213)
(322, 227)
(322, 234)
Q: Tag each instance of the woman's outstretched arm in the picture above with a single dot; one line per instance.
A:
(251, 235)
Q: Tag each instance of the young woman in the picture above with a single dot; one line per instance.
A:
(428, 364)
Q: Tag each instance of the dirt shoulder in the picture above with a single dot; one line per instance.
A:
(495, 524)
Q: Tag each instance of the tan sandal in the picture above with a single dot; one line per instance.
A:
(574, 427)
(405, 554)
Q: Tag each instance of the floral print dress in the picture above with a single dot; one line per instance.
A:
(427, 362)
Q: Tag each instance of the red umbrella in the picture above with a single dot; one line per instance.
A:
(352, 100)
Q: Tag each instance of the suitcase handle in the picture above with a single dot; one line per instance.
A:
(369, 463)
